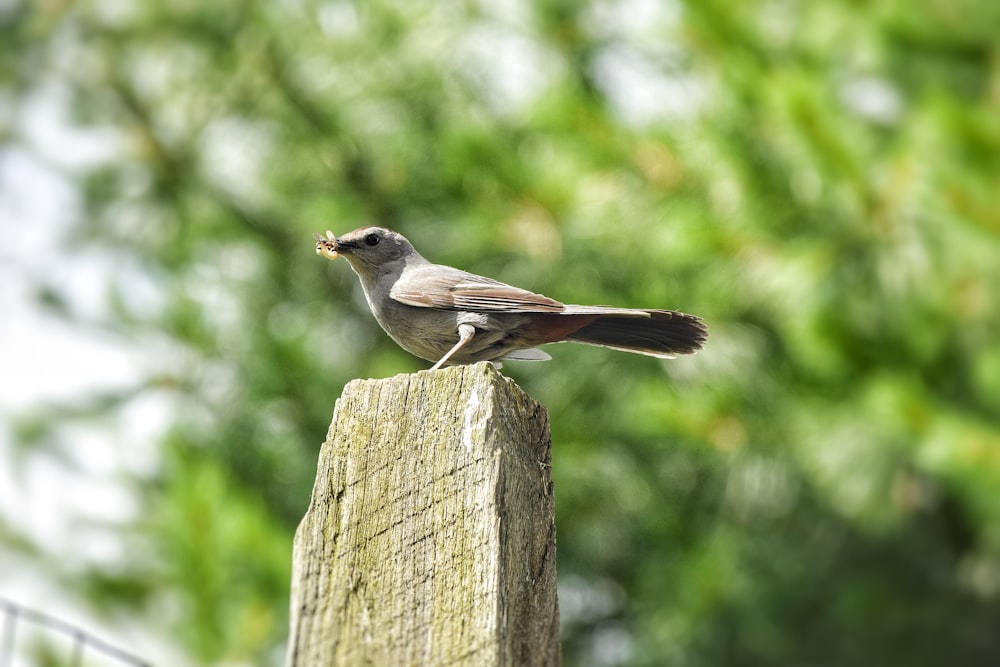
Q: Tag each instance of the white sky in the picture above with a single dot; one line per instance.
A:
(44, 359)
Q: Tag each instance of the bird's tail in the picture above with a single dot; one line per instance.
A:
(664, 333)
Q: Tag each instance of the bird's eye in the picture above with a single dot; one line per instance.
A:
(372, 239)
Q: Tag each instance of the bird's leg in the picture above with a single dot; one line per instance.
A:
(465, 334)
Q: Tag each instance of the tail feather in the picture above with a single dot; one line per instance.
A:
(665, 333)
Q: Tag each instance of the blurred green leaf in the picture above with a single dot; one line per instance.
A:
(817, 180)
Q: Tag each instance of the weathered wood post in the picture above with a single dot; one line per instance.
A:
(430, 538)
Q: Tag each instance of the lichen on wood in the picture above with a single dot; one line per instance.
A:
(430, 536)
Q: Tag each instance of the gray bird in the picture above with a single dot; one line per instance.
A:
(446, 315)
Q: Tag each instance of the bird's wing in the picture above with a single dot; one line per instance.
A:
(435, 286)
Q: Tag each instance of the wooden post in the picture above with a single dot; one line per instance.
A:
(430, 538)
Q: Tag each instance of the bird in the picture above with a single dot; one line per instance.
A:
(448, 316)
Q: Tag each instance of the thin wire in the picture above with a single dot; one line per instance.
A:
(13, 611)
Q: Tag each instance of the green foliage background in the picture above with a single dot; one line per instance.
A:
(818, 180)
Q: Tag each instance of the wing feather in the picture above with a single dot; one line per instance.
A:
(445, 288)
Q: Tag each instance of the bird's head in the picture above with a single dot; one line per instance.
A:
(366, 248)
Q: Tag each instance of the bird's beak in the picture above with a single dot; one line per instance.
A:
(327, 246)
